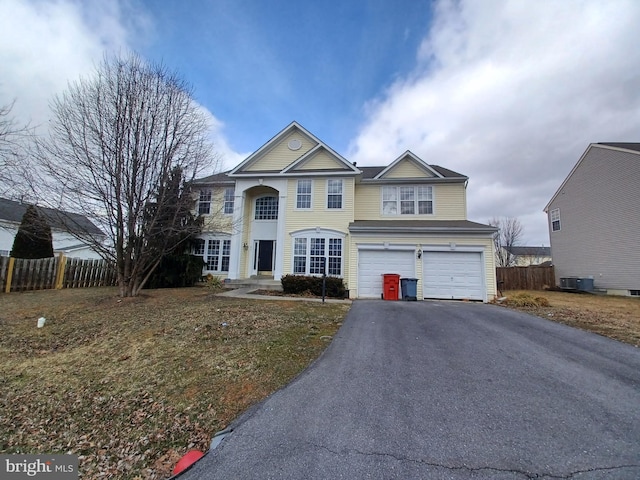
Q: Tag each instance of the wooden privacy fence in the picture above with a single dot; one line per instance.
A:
(20, 274)
(525, 278)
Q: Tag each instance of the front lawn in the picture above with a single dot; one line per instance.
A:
(611, 316)
(131, 384)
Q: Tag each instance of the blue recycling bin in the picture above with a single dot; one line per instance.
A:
(409, 288)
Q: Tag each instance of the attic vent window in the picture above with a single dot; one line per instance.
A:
(294, 144)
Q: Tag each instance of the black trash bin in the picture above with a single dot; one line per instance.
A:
(409, 288)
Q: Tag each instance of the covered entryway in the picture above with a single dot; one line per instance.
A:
(263, 256)
(373, 263)
(453, 275)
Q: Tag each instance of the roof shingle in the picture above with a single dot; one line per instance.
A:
(12, 211)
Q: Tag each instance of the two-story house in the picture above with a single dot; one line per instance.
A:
(594, 225)
(295, 206)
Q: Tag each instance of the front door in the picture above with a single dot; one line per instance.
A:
(265, 255)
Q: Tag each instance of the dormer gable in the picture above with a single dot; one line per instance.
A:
(408, 165)
(293, 150)
(321, 160)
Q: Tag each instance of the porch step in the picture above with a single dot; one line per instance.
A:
(260, 283)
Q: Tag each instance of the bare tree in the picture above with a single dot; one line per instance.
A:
(13, 139)
(509, 234)
(115, 139)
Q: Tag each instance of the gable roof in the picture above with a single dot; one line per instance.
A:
(342, 164)
(632, 148)
(442, 175)
(12, 211)
(408, 156)
(623, 145)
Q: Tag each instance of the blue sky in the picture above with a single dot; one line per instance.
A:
(507, 92)
(259, 65)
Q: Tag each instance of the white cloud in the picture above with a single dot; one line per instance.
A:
(511, 93)
(45, 44)
(226, 157)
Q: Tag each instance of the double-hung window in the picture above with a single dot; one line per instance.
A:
(300, 255)
(204, 202)
(389, 200)
(424, 198)
(334, 259)
(334, 193)
(199, 246)
(316, 256)
(229, 194)
(555, 220)
(214, 253)
(303, 194)
(409, 200)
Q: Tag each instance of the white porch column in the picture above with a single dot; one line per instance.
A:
(282, 232)
(237, 230)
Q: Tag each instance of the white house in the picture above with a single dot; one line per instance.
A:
(61, 223)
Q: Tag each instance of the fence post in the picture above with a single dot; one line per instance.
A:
(9, 274)
(60, 273)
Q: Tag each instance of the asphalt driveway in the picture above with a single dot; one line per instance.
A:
(445, 390)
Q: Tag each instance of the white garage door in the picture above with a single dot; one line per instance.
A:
(453, 275)
(373, 263)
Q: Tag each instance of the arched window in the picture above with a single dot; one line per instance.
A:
(267, 208)
(317, 249)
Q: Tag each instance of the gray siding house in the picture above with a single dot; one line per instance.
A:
(594, 219)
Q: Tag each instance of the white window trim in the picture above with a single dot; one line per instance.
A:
(295, 207)
(327, 235)
(255, 208)
(205, 254)
(225, 201)
(555, 213)
(326, 203)
(416, 205)
(199, 202)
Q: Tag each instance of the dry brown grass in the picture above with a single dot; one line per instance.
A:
(526, 299)
(131, 384)
(611, 316)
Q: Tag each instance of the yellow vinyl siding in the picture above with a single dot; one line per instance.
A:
(321, 161)
(424, 242)
(319, 216)
(407, 169)
(280, 156)
(217, 221)
(449, 203)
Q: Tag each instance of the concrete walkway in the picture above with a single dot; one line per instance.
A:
(245, 292)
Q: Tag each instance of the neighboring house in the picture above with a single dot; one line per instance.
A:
(61, 223)
(594, 224)
(295, 206)
(528, 256)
